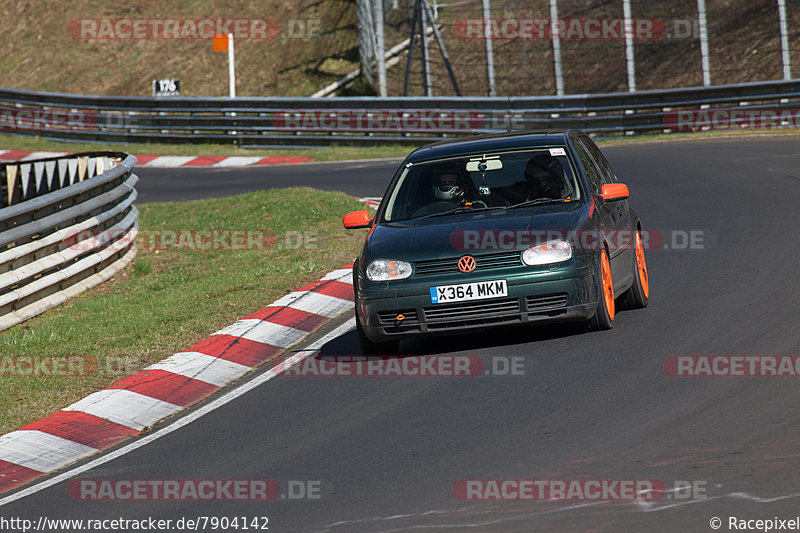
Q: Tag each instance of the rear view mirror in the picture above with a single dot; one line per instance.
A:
(614, 191)
(357, 220)
(484, 165)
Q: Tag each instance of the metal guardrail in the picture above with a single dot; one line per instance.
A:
(66, 225)
(274, 121)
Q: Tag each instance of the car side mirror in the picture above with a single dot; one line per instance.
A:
(357, 220)
(614, 191)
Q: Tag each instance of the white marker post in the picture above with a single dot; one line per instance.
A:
(629, 57)
(787, 69)
(701, 17)
(231, 67)
(557, 66)
(221, 43)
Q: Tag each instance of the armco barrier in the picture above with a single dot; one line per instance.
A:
(66, 224)
(318, 121)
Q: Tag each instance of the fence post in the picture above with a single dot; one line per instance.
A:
(629, 57)
(787, 67)
(556, 47)
(701, 16)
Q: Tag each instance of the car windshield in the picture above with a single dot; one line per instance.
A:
(482, 182)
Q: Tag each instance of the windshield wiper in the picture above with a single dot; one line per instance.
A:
(462, 209)
(537, 201)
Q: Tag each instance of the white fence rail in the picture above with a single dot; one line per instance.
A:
(66, 225)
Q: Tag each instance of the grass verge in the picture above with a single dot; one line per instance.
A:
(173, 296)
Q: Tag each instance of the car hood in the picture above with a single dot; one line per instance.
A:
(474, 233)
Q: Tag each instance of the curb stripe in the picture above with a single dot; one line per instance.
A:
(166, 387)
(337, 289)
(169, 161)
(202, 367)
(343, 289)
(13, 155)
(266, 332)
(41, 451)
(237, 161)
(204, 161)
(42, 155)
(13, 476)
(125, 407)
(144, 159)
(342, 274)
(288, 316)
(83, 428)
(313, 302)
(236, 349)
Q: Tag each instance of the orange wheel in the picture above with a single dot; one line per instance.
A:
(604, 315)
(636, 297)
(608, 286)
(642, 266)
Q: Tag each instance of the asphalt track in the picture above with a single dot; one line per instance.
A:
(357, 178)
(388, 451)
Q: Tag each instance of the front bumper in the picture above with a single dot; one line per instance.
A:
(561, 295)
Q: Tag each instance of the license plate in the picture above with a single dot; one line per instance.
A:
(469, 291)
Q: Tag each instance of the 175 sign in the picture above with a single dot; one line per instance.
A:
(168, 87)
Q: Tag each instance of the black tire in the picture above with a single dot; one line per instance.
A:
(369, 347)
(636, 297)
(604, 317)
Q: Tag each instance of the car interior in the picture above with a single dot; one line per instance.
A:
(437, 187)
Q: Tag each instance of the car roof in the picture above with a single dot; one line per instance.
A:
(495, 142)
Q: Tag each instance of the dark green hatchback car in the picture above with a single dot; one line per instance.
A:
(497, 230)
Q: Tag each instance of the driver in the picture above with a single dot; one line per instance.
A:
(451, 185)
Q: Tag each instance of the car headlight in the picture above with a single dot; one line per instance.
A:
(388, 270)
(549, 252)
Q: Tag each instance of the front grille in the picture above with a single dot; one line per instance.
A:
(482, 262)
(468, 310)
(545, 303)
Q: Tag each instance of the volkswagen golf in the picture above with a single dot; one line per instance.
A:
(497, 230)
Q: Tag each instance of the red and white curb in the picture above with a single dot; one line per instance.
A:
(172, 161)
(372, 201)
(130, 406)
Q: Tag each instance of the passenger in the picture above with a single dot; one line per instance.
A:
(545, 177)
